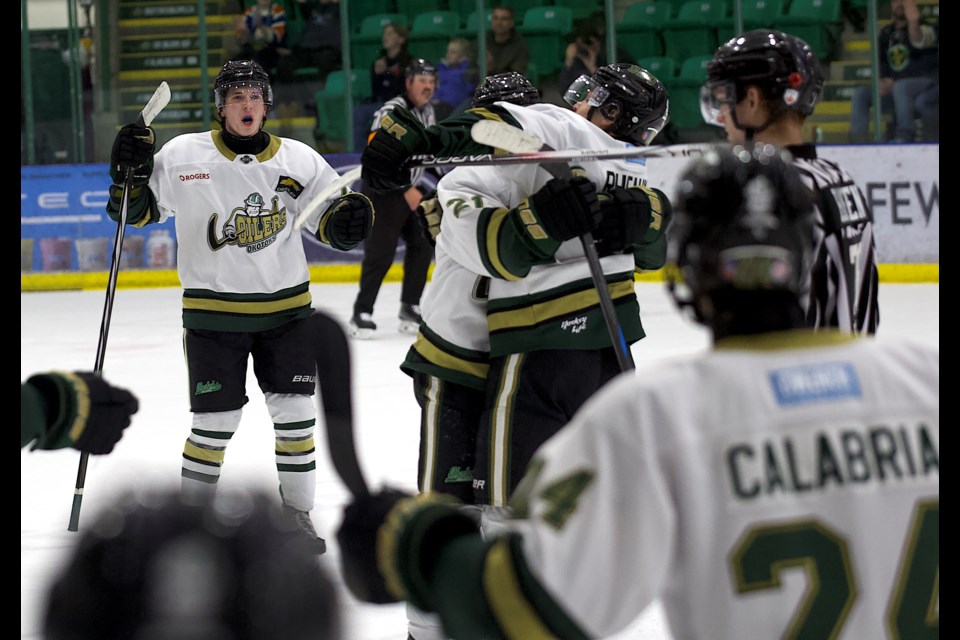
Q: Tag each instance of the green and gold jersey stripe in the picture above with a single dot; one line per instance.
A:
(433, 355)
(534, 313)
(204, 309)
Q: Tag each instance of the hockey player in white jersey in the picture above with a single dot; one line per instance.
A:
(520, 227)
(761, 86)
(549, 345)
(451, 355)
(784, 484)
(235, 193)
(450, 358)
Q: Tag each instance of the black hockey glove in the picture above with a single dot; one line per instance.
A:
(567, 208)
(83, 411)
(409, 531)
(429, 214)
(346, 222)
(627, 214)
(399, 137)
(132, 149)
(560, 210)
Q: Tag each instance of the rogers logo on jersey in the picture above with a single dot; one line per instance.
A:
(187, 177)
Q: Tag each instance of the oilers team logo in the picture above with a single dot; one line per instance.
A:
(251, 226)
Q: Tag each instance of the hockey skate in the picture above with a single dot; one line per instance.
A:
(362, 326)
(409, 318)
(303, 522)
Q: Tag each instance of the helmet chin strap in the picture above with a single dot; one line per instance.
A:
(749, 133)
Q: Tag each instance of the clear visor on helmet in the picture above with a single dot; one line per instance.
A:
(578, 90)
(713, 95)
(599, 96)
(254, 91)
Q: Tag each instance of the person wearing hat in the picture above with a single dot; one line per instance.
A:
(397, 218)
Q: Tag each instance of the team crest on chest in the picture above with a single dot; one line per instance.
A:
(250, 225)
(286, 184)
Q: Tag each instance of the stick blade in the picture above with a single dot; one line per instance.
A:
(504, 136)
(330, 192)
(156, 104)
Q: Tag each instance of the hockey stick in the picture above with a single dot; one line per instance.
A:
(516, 140)
(534, 157)
(336, 392)
(329, 192)
(159, 100)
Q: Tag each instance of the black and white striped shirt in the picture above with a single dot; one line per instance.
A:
(844, 279)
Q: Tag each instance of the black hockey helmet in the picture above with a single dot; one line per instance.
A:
(420, 67)
(629, 95)
(743, 222)
(155, 565)
(509, 87)
(783, 66)
(241, 73)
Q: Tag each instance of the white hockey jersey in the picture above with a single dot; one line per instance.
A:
(552, 305)
(453, 342)
(241, 261)
(785, 485)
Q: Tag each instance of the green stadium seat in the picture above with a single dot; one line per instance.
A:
(545, 30)
(371, 28)
(367, 42)
(532, 74)
(580, 8)
(464, 8)
(295, 23)
(413, 8)
(472, 23)
(662, 67)
(818, 22)
(676, 4)
(756, 14)
(361, 10)
(520, 8)
(430, 34)
(685, 93)
(639, 30)
(331, 122)
(694, 30)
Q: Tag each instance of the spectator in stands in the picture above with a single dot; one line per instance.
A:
(319, 42)
(587, 52)
(262, 34)
(909, 51)
(506, 48)
(457, 77)
(387, 75)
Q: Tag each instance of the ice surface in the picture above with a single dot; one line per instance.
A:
(60, 330)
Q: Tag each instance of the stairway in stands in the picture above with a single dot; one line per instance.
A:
(830, 122)
(159, 40)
